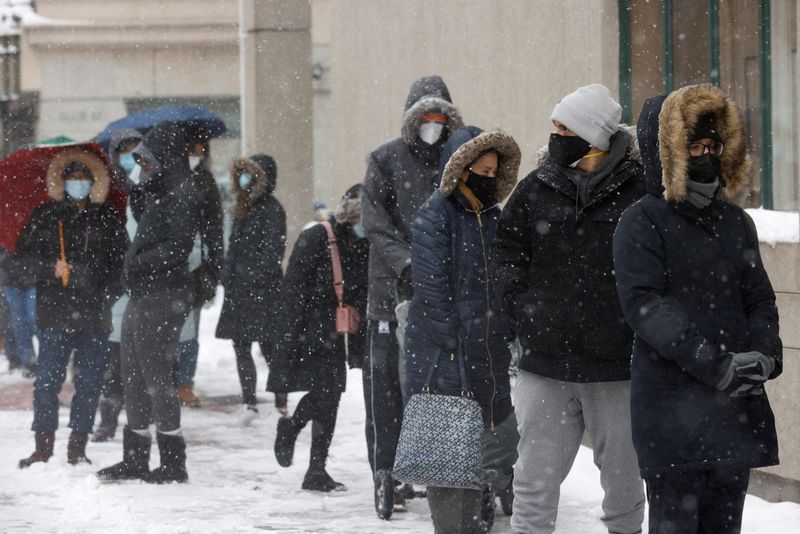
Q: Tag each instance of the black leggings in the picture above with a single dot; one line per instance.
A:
(247, 368)
(321, 409)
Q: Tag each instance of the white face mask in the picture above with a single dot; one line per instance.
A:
(430, 132)
(194, 161)
(135, 174)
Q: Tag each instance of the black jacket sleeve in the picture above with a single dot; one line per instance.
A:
(211, 222)
(640, 267)
(34, 260)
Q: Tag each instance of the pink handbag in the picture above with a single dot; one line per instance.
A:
(347, 317)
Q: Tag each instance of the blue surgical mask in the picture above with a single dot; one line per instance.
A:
(358, 231)
(135, 174)
(127, 162)
(78, 189)
(245, 180)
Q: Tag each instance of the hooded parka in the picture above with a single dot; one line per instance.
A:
(694, 289)
(94, 244)
(555, 273)
(454, 307)
(401, 175)
(311, 356)
(252, 271)
(158, 256)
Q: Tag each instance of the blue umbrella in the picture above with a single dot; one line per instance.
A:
(144, 119)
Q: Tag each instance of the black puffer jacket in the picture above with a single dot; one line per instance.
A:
(311, 356)
(454, 310)
(401, 175)
(252, 270)
(555, 273)
(94, 244)
(158, 257)
(693, 288)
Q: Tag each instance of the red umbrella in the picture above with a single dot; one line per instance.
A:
(23, 186)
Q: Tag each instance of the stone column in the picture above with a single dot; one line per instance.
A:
(276, 97)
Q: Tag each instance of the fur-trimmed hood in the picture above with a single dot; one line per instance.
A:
(265, 175)
(678, 118)
(348, 211)
(543, 154)
(466, 144)
(55, 174)
(428, 95)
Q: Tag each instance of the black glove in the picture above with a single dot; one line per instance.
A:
(405, 290)
(746, 374)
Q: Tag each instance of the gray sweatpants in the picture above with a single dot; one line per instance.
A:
(151, 327)
(552, 416)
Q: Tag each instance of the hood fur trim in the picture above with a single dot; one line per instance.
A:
(507, 171)
(348, 211)
(412, 119)
(543, 154)
(55, 179)
(678, 117)
(244, 201)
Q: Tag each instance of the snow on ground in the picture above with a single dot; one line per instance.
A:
(776, 226)
(235, 483)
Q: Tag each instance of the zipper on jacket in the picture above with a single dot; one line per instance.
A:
(488, 318)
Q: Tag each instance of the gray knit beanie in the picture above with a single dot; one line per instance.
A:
(592, 113)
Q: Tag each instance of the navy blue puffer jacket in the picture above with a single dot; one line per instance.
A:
(453, 309)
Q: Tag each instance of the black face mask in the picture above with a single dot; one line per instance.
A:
(704, 169)
(566, 150)
(483, 187)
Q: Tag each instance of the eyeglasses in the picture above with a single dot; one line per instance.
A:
(698, 149)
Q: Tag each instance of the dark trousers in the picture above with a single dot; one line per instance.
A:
(455, 510)
(247, 368)
(55, 348)
(321, 409)
(150, 331)
(383, 397)
(112, 375)
(697, 502)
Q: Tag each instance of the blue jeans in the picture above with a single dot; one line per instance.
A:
(55, 347)
(186, 365)
(22, 307)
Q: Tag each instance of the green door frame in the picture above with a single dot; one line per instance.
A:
(765, 87)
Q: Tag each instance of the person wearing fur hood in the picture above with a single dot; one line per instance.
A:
(453, 308)
(251, 272)
(555, 279)
(694, 290)
(401, 175)
(74, 247)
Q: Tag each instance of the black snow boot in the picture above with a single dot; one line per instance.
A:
(135, 462)
(384, 493)
(319, 480)
(285, 438)
(110, 409)
(487, 510)
(507, 498)
(173, 460)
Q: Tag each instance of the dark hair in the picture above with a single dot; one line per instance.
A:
(75, 167)
(479, 156)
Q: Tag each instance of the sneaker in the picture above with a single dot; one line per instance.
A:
(246, 414)
(187, 396)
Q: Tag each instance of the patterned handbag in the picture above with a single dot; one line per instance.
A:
(441, 440)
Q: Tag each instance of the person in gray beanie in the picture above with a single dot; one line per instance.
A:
(555, 280)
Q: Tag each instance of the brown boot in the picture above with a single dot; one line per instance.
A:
(76, 448)
(44, 449)
(187, 396)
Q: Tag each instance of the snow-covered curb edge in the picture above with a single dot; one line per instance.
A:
(776, 226)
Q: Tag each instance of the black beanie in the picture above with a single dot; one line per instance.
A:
(706, 128)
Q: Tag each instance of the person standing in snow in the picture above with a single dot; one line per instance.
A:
(312, 356)
(401, 175)
(157, 278)
(205, 261)
(555, 280)
(73, 246)
(694, 290)
(252, 273)
(453, 308)
(125, 174)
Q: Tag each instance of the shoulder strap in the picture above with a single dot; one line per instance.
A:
(336, 262)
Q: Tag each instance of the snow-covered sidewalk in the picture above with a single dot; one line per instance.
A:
(235, 483)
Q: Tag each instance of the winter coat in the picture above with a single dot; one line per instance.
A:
(94, 244)
(454, 310)
(555, 272)
(311, 356)
(135, 191)
(252, 270)
(401, 175)
(693, 288)
(157, 259)
(211, 220)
